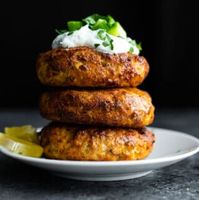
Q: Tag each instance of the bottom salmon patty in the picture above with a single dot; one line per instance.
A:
(66, 142)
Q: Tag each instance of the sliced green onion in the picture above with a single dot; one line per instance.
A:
(60, 31)
(96, 45)
(139, 46)
(74, 25)
(101, 24)
(101, 34)
(106, 44)
(110, 20)
(90, 19)
(117, 30)
(70, 33)
(131, 50)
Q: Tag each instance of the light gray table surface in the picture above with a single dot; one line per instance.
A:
(180, 181)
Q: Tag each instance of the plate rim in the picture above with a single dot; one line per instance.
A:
(111, 163)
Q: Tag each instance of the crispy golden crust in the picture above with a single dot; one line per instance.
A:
(65, 142)
(85, 67)
(128, 107)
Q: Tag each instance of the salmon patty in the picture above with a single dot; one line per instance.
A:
(86, 67)
(66, 142)
(128, 107)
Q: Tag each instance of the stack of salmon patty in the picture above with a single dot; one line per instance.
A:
(97, 112)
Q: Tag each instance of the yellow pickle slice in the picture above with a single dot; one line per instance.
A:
(26, 132)
(20, 146)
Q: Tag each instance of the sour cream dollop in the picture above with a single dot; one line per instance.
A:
(87, 37)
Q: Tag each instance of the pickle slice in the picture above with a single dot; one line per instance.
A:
(117, 30)
(26, 132)
(20, 146)
(1, 137)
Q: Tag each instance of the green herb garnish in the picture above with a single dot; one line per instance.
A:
(70, 33)
(131, 50)
(74, 25)
(139, 46)
(96, 22)
(97, 45)
(105, 44)
(101, 35)
(60, 31)
(106, 25)
(110, 41)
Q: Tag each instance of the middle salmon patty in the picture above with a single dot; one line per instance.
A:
(129, 107)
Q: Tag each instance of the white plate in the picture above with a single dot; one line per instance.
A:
(170, 147)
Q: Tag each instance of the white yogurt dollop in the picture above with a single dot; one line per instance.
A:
(87, 37)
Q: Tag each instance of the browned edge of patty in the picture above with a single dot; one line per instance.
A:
(86, 67)
(68, 142)
(123, 107)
